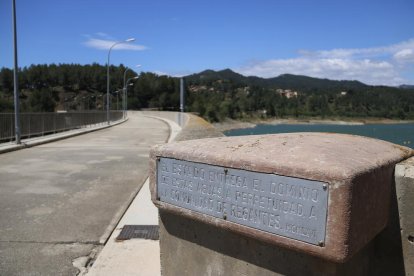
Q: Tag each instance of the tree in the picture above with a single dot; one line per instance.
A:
(42, 101)
(6, 80)
(214, 95)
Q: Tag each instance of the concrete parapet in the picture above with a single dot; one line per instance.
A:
(192, 126)
(179, 118)
(404, 180)
(351, 176)
(197, 128)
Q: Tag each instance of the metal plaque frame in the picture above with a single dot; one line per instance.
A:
(287, 206)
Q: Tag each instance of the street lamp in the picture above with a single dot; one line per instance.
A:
(84, 103)
(107, 74)
(123, 97)
(126, 90)
(117, 98)
(96, 101)
(15, 78)
(91, 97)
(103, 101)
(87, 101)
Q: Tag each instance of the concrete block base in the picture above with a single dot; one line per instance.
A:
(362, 220)
(202, 249)
(404, 178)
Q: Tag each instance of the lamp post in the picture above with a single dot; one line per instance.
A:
(84, 103)
(90, 103)
(96, 102)
(124, 90)
(107, 74)
(117, 98)
(103, 101)
(16, 83)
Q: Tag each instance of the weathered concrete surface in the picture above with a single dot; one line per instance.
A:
(358, 170)
(177, 118)
(41, 258)
(129, 258)
(192, 126)
(197, 128)
(404, 180)
(136, 256)
(202, 249)
(60, 200)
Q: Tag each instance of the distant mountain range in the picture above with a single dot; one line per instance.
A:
(406, 86)
(217, 95)
(285, 81)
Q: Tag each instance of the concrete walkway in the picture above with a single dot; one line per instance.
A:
(135, 256)
(60, 201)
(139, 256)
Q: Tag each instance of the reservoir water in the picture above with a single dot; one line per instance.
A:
(402, 134)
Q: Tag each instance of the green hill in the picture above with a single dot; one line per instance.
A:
(220, 94)
(215, 95)
(285, 81)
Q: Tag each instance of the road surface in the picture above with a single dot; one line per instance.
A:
(60, 201)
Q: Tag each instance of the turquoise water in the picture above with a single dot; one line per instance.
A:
(402, 134)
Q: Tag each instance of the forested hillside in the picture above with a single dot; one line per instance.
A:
(83, 87)
(221, 94)
(214, 95)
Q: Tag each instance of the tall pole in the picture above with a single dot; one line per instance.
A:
(182, 95)
(124, 99)
(107, 84)
(123, 102)
(126, 91)
(117, 100)
(16, 82)
(87, 103)
(107, 75)
(124, 94)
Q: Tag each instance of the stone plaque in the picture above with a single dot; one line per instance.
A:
(286, 206)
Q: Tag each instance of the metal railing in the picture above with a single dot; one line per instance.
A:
(42, 123)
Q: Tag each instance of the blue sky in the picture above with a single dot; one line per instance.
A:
(370, 41)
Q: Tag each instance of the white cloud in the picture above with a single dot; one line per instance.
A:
(377, 65)
(161, 73)
(173, 74)
(102, 34)
(105, 44)
(405, 56)
(366, 52)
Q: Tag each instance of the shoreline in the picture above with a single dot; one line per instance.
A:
(230, 124)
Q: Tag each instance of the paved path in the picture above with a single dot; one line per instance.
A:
(59, 202)
(134, 256)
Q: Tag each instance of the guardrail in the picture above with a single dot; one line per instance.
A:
(42, 123)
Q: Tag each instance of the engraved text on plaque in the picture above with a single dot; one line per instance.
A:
(287, 206)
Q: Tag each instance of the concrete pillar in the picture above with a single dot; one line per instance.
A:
(287, 204)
